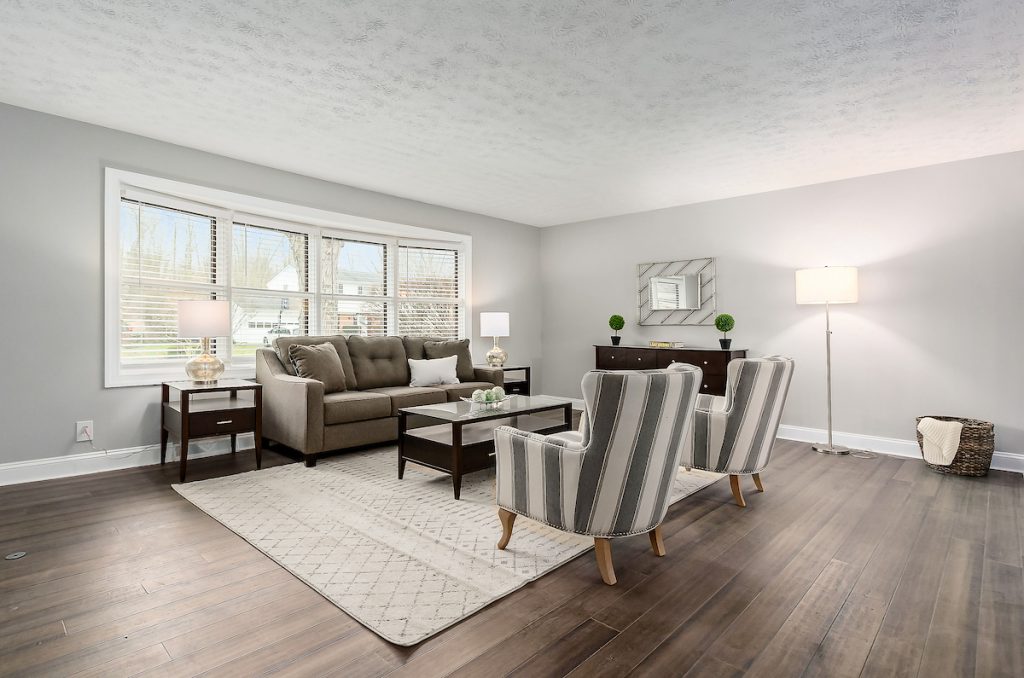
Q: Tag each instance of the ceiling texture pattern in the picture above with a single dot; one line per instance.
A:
(538, 111)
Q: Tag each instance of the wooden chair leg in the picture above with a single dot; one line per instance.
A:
(737, 494)
(656, 541)
(603, 550)
(757, 482)
(507, 519)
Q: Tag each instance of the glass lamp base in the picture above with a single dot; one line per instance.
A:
(497, 356)
(205, 369)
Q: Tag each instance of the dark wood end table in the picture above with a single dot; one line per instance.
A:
(518, 384)
(462, 439)
(189, 418)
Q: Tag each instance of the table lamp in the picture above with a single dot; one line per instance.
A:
(495, 325)
(204, 319)
(828, 285)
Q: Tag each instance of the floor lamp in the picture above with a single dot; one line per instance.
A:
(828, 285)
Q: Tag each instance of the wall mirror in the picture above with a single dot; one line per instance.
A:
(677, 292)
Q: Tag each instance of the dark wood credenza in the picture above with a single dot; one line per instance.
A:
(712, 361)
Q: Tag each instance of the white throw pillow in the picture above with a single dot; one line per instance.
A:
(433, 372)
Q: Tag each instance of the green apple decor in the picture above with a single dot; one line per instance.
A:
(489, 398)
(616, 322)
(724, 324)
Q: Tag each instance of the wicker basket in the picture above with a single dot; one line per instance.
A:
(977, 443)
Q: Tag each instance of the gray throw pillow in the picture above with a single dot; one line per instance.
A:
(320, 362)
(443, 349)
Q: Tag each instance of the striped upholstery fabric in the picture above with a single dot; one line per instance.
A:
(734, 434)
(613, 477)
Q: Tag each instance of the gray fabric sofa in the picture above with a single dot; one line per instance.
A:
(297, 413)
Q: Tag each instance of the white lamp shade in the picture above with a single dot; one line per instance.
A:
(494, 324)
(829, 284)
(206, 318)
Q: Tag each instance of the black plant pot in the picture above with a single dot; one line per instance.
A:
(725, 344)
(616, 339)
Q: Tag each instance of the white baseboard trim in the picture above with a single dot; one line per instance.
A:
(1001, 461)
(96, 461)
(34, 470)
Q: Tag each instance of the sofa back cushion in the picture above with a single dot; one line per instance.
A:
(378, 361)
(444, 349)
(283, 344)
(414, 346)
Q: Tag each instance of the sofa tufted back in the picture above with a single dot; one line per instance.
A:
(378, 361)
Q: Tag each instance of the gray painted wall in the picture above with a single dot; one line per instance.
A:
(51, 214)
(940, 321)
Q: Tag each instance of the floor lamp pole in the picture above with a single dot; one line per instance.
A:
(829, 448)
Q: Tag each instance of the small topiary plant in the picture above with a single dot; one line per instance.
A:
(724, 323)
(616, 322)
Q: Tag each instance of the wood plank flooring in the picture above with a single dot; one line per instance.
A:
(843, 567)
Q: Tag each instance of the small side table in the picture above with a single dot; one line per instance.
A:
(517, 385)
(205, 417)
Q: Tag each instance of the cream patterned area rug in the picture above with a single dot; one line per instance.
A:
(403, 557)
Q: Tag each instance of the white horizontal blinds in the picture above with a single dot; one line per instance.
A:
(429, 302)
(165, 255)
(271, 294)
(665, 295)
(353, 287)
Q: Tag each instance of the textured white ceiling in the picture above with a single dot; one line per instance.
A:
(542, 112)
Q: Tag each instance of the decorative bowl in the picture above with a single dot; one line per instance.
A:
(489, 405)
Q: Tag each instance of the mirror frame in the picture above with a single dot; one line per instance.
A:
(705, 315)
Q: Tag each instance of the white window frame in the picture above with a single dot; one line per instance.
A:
(230, 207)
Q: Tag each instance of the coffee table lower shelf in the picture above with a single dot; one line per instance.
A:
(458, 448)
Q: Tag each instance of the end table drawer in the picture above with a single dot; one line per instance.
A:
(221, 422)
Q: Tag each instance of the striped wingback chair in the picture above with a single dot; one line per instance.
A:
(734, 433)
(614, 477)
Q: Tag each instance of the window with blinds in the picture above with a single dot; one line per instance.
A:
(270, 289)
(166, 255)
(428, 292)
(353, 287)
(280, 278)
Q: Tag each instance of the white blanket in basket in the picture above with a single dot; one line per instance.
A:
(941, 440)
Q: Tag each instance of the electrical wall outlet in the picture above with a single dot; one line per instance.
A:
(83, 431)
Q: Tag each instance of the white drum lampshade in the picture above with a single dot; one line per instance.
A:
(495, 325)
(827, 285)
(204, 319)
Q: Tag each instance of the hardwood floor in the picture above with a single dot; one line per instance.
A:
(843, 567)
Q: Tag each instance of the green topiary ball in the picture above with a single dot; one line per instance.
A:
(724, 322)
(616, 322)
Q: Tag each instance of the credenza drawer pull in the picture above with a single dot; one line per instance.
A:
(226, 421)
(639, 359)
(705, 362)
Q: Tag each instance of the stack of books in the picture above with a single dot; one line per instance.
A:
(667, 344)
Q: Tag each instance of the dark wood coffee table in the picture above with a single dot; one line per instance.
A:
(463, 439)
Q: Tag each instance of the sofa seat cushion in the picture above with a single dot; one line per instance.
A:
(349, 406)
(463, 390)
(411, 396)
